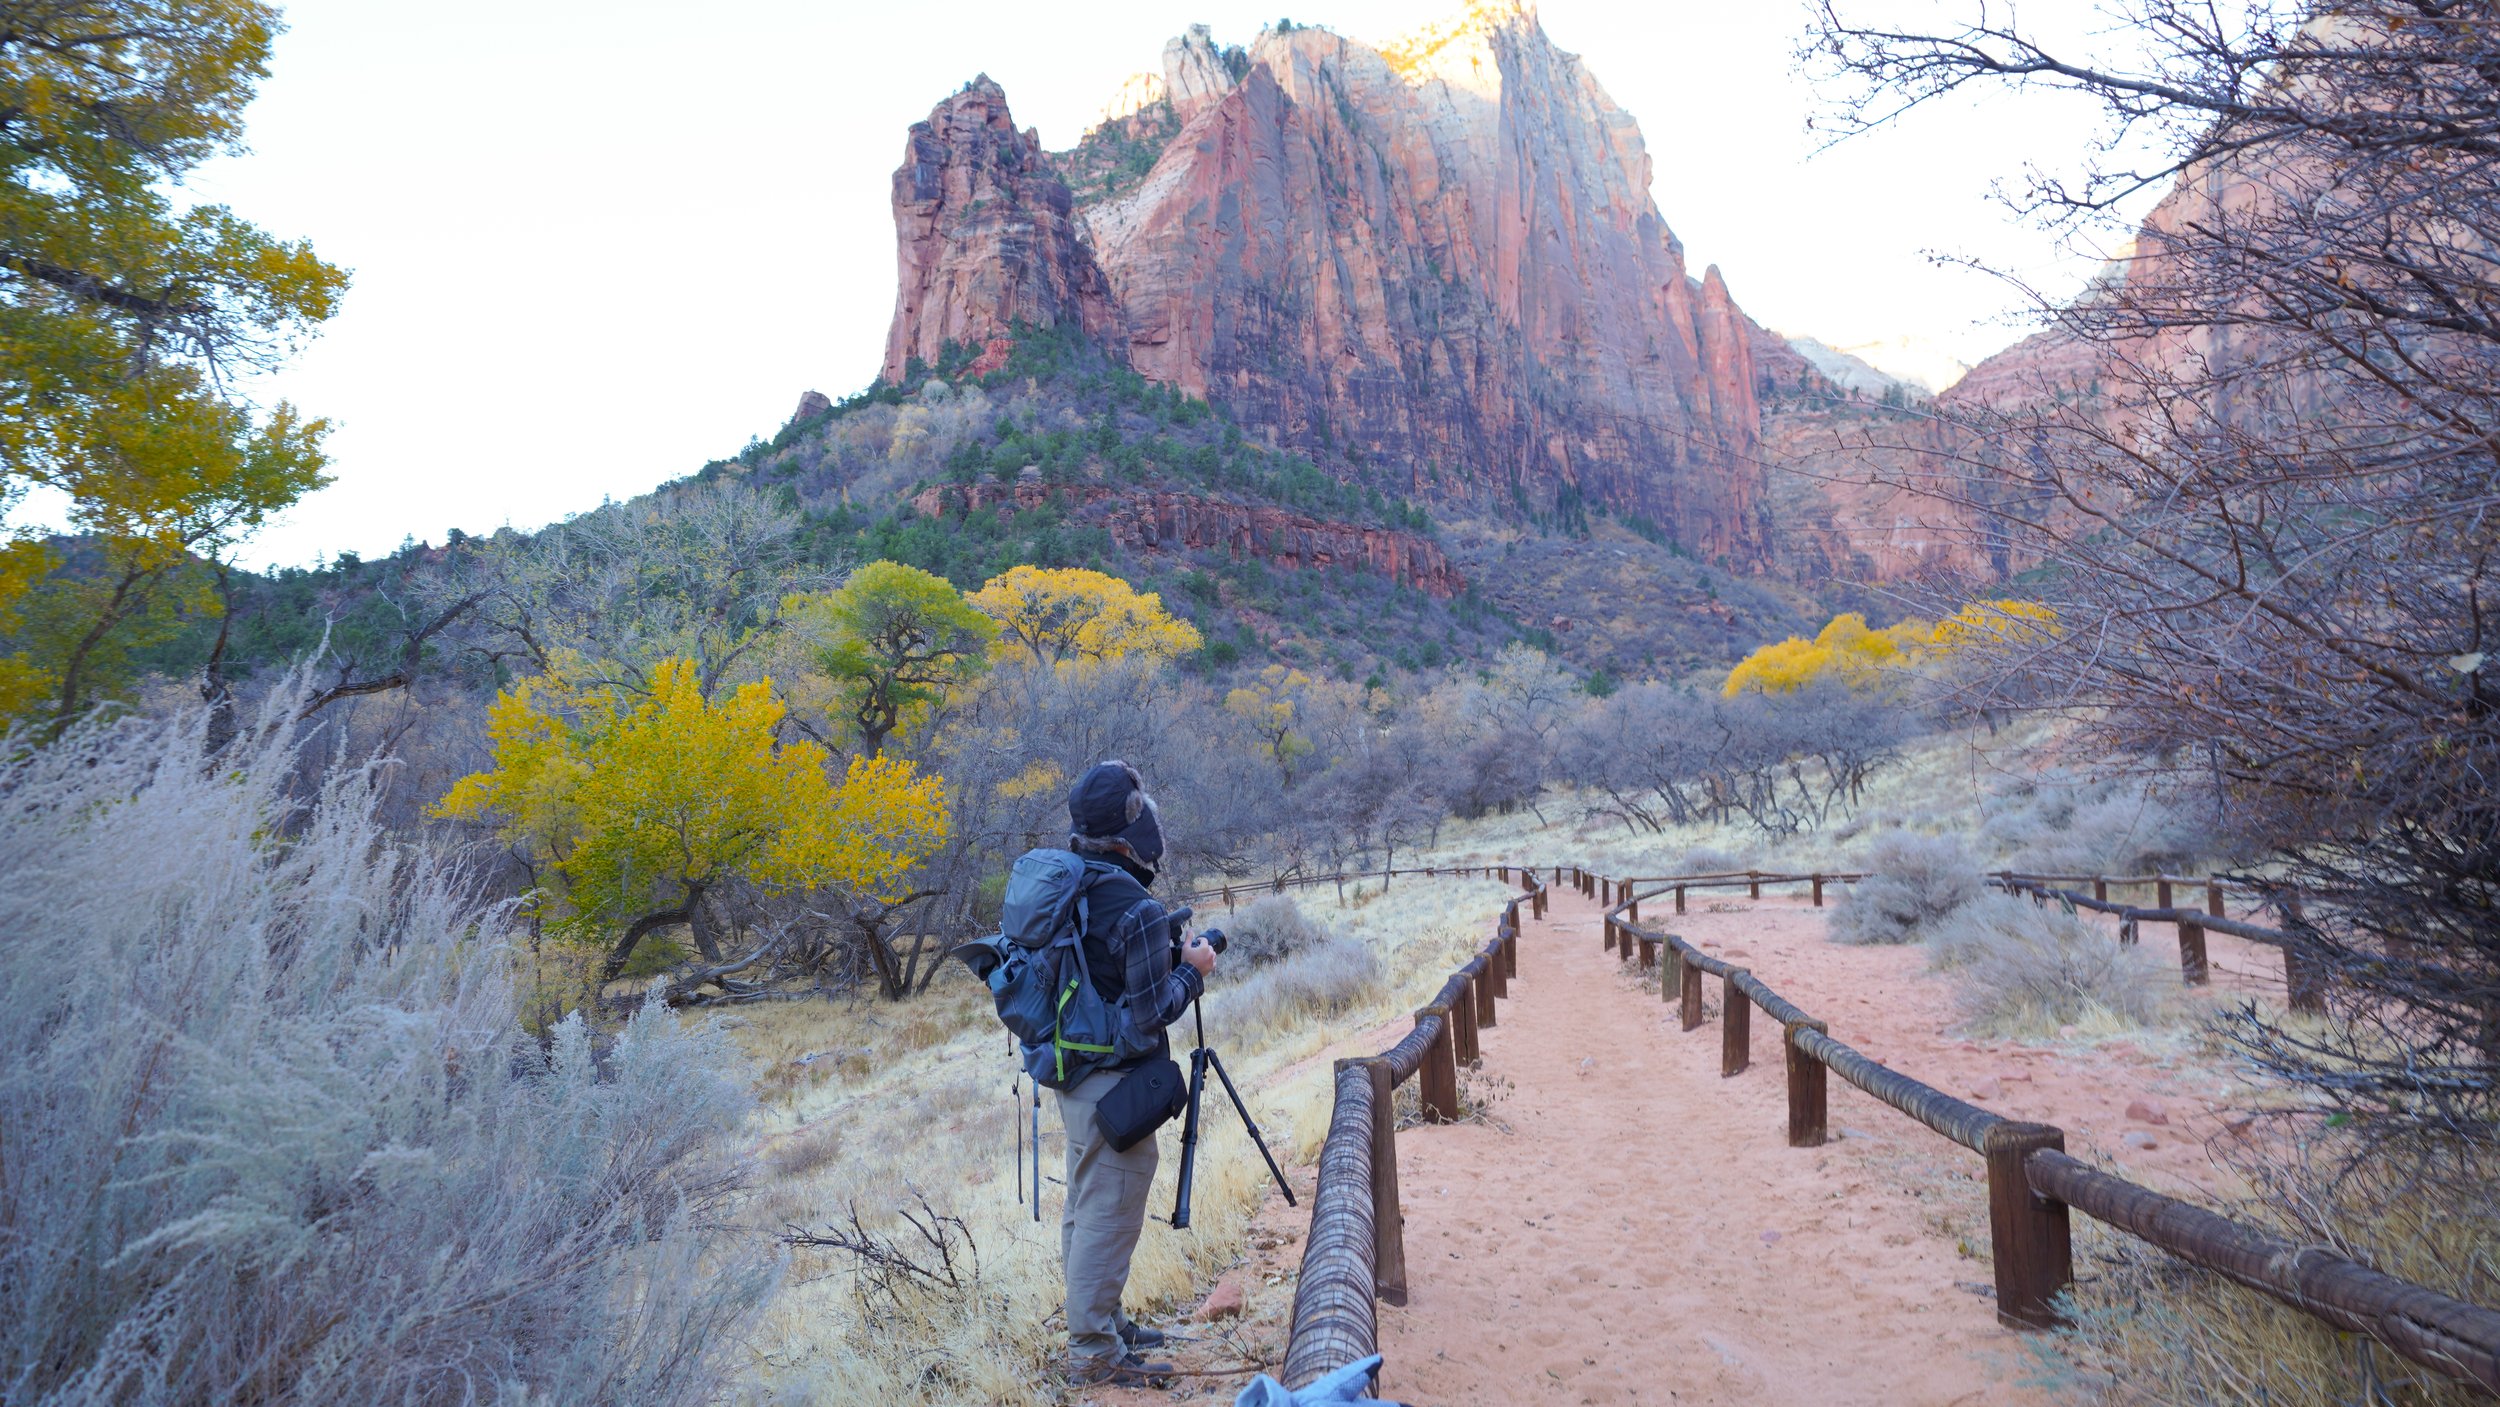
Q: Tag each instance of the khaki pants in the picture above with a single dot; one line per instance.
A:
(1100, 1221)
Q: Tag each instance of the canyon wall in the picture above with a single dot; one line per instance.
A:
(1441, 256)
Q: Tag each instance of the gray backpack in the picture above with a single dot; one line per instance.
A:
(1037, 975)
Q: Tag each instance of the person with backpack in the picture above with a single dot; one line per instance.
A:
(1086, 971)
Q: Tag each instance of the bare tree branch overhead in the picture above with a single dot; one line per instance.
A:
(2266, 503)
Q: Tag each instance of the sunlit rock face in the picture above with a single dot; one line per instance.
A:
(1440, 255)
(1443, 254)
(984, 237)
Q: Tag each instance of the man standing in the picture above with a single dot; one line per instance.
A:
(1128, 949)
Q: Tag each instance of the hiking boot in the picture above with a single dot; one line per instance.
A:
(1125, 1370)
(1138, 1336)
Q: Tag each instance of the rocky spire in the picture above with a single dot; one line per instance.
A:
(983, 237)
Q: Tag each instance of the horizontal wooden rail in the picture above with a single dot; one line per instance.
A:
(2032, 1183)
(2444, 1334)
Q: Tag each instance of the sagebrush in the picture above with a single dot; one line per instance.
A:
(275, 1133)
(2028, 969)
(1912, 882)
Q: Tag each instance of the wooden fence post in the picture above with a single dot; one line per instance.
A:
(1437, 1078)
(1690, 1011)
(1632, 912)
(1649, 953)
(1753, 883)
(1735, 1028)
(1608, 923)
(2213, 895)
(1679, 898)
(1510, 956)
(1493, 973)
(1818, 891)
(1388, 1223)
(2161, 891)
(1463, 1023)
(2100, 889)
(1808, 1107)
(1623, 945)
(1228, 898)
(2302, 978)
(1486, 979)
(2192, 964)
(2028, 1235)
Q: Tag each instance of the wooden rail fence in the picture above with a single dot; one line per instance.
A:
(2033, 1185)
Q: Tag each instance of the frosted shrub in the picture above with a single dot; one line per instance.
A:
(1280, 967)
(2072, 825)
(1912, 882)
(1271, 929)
(2027, 969)
(273, 1132)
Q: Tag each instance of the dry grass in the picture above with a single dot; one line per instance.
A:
(915, 1100)
(2152, 1330)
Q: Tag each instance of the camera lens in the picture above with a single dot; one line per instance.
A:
(1215, 938)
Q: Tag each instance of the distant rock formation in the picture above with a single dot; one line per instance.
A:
(1163, 521)
(984, 238)
(1442, 255)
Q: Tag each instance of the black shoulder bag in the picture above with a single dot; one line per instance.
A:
(1144, 1100)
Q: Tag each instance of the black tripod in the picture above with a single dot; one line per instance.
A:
(1200, 1061)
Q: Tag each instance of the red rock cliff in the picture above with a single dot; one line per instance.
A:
(1175, 521)
(1443, 254)
(984, 236)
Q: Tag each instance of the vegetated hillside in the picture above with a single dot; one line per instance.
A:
(1059, 458)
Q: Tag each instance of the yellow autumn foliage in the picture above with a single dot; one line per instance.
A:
(1847, 651)
(1851, 653)
(1267, 706)
(639, 802)
(1996, 623)
(1068, 615)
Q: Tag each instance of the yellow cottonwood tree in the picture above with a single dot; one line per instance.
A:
(642, 804)
(1996, 622)
(1064, 615)
(1267, 706)
(1846, 650)
(124, 319)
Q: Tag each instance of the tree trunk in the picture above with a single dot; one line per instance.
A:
(639, 929)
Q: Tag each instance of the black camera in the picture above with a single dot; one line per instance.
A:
(1180, 918)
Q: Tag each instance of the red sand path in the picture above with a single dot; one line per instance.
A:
(1643, 1233)
(1627, 1227)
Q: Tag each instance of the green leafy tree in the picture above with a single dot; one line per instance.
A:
(125, 319)
(893, 640)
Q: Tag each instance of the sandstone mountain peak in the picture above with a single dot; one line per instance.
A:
(984, 236)
(1441, 257)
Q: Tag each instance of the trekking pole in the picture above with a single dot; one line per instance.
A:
(1037, 1152)
(1015, 1108)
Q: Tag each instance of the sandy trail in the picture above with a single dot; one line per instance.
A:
(1625, 1226)
(1643, 1233)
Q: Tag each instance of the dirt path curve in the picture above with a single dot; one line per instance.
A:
(1638, 1230)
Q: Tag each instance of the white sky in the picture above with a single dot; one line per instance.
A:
(597, 242)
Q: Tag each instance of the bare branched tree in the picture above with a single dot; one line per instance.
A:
(2266, 479)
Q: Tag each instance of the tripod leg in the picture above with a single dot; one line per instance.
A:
(1189, 1137)
(1246, 1122)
